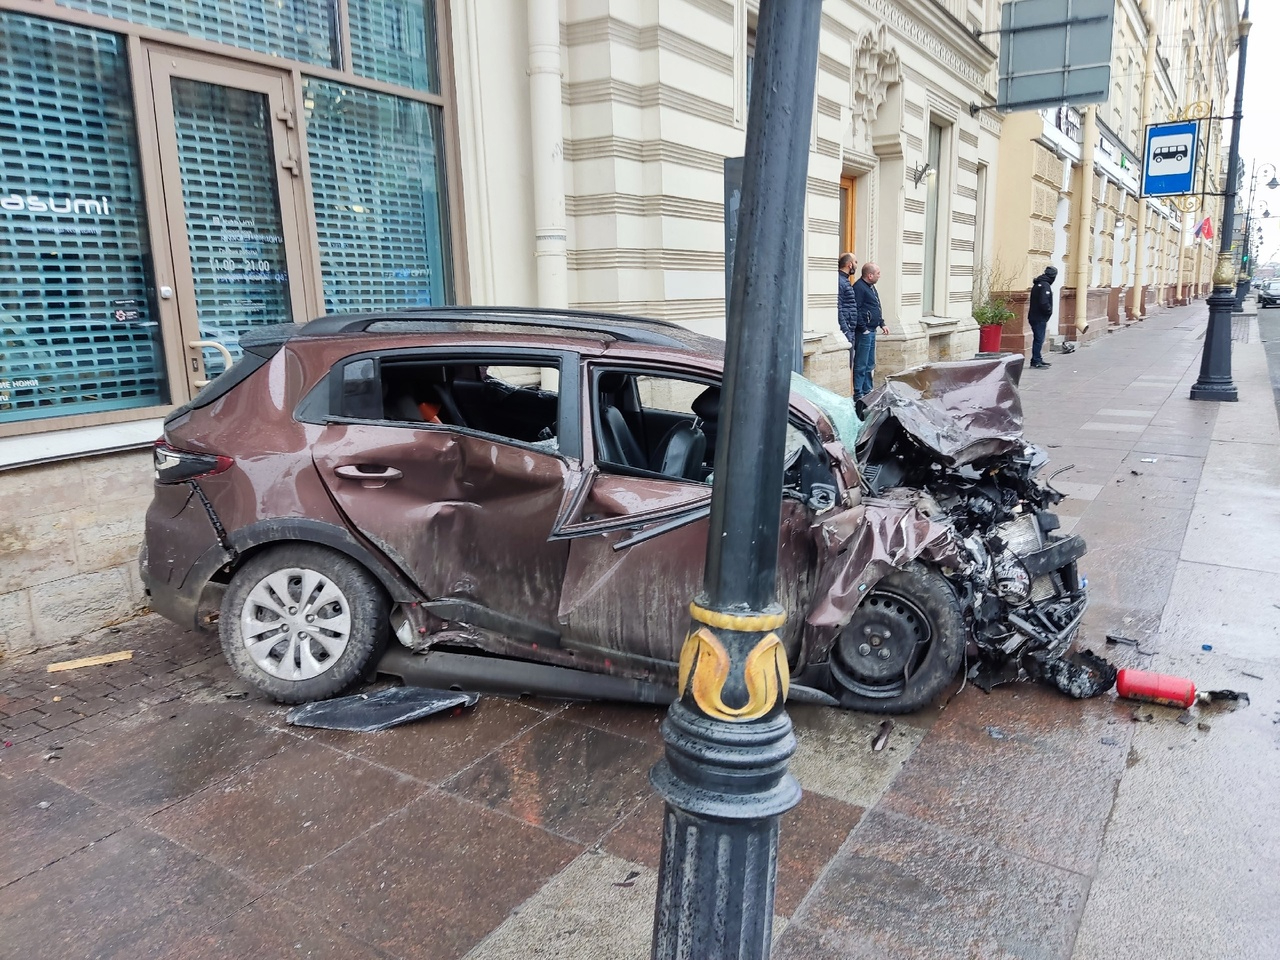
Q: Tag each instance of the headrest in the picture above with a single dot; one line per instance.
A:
(707, 404)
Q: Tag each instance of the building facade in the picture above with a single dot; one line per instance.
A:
(1070, 179)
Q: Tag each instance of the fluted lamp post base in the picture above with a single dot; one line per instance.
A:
(1215, 381)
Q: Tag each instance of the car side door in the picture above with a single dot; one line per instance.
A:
(638, 535)
(423, 455)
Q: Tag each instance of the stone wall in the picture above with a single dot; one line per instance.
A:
(69, 539)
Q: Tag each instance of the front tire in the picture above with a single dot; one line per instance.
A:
(301, 622)
(903, 645)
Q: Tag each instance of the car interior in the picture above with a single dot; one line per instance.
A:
(647, 439)
(470, 395)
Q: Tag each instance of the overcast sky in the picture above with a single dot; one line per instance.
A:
(1260, 129)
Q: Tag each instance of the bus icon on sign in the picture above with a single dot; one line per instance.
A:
(1170, 164)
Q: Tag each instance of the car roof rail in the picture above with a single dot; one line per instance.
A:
(618, 326)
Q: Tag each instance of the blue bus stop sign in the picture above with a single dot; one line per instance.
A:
(1169, 168)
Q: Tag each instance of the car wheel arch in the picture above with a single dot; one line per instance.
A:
(214, 570)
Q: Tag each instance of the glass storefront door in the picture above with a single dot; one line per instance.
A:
(230, 169)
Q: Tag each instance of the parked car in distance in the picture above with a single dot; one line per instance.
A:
(1269, 293)
(519, 500)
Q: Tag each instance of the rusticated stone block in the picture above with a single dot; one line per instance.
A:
(35, 550)
(109, 533)
(77, 604)
(16, 631)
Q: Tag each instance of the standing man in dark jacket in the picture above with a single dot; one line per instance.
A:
(847, 307)
(1039, 310)
(870, 319)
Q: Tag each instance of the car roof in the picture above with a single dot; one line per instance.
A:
(558, 324)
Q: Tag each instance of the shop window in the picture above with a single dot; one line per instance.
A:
(78, 328)
(377, 180)
(304, 30)
(394, 41)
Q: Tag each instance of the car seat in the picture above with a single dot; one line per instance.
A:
(681, 452)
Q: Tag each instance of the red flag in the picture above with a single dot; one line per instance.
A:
(1205, 229)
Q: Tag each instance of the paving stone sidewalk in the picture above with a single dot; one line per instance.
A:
(155, 810)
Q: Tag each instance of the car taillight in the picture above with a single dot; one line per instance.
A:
(178, 466)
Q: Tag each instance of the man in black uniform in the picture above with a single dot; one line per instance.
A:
(1039, 310)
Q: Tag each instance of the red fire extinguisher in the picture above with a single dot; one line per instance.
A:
(1155, 688)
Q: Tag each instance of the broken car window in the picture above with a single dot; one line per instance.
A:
(507, 401)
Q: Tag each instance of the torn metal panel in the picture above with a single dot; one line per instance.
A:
(369, 712)
(962, 411)
(858, 546)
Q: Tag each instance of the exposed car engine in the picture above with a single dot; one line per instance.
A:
(1018, 582)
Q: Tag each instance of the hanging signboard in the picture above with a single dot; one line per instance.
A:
(1054, 52)
(1169, 162)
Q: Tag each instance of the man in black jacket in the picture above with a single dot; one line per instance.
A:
(847, 306)
(1039, 310)
(870, 319)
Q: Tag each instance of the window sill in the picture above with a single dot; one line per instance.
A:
(37, 448)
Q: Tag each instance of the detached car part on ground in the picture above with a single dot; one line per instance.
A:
(413, 479)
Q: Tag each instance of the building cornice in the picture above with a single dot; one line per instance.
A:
(925, 25)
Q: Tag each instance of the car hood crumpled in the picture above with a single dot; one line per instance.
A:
(859, 546)
(962, 411)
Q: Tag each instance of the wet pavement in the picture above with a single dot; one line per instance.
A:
(153, 810)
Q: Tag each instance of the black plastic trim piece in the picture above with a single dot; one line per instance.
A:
(445, 670)
(1055, 556)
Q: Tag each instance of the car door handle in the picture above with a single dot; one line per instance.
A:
(369, 475)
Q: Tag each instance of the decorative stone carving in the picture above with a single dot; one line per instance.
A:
(876, 66)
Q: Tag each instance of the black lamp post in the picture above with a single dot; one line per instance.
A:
(1215, 381)
(1247, 264)
(728, 737)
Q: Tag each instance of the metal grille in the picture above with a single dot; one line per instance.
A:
(232, 209)
(77, 327)
(377, 182)
(304, 30)
(1022, 535)
(394, 40)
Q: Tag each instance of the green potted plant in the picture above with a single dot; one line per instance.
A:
(990, 310)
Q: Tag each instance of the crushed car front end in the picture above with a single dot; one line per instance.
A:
(954, 508)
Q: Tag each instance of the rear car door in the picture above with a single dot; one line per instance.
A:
(455, 464)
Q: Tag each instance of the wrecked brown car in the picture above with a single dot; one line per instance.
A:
(518, 500)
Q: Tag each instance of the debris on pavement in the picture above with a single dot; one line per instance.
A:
(44, 804)
(1113, 638)
(995, 733)
(99, 660)
(1150, 459)
(370, 712)
(1141, 716)
(1080, 675)
(882, 737)
(629, 880)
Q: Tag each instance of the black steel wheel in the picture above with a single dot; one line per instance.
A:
(903, 645)
(301, 622)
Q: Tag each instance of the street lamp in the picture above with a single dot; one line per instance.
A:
(1215, 381)
(728, 737)
(1246, 245)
